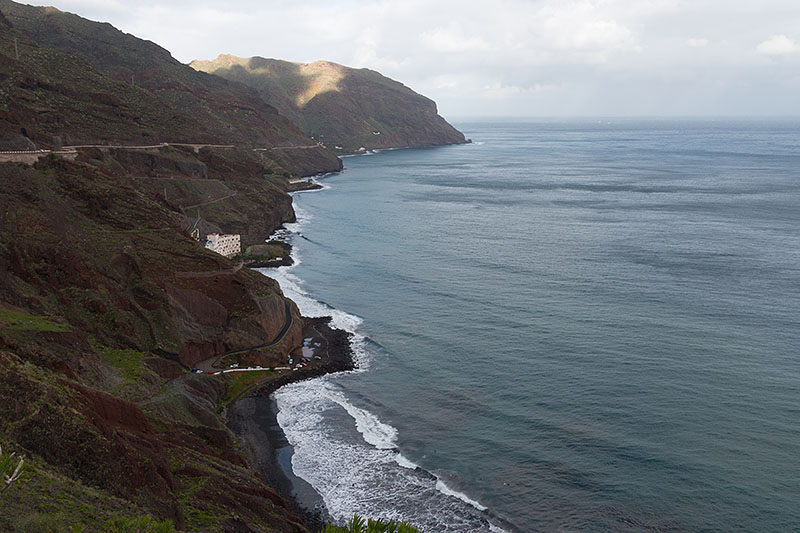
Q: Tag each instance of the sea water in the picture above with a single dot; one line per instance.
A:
(563, 326)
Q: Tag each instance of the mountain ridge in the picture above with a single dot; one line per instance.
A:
(339, 105)
(208, 108)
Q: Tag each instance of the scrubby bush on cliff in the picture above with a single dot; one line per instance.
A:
(12, 469)
(359, 525)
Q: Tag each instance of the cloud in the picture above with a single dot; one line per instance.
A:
(583, 26)
(452, 39)
(532, 57)
(697, 43)
(778, 45)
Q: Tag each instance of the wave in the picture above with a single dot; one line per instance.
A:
(356, 468)
(382, 436)
(444, 489)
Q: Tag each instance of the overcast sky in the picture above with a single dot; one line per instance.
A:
(509, 57)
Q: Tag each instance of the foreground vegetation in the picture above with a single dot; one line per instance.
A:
(359, 525)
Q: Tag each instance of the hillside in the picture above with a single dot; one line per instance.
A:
(338, 105)
(141, 82)
(65, 80)
(106, 304)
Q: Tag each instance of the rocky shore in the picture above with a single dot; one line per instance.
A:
(253, 419)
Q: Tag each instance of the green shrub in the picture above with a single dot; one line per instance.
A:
(17, 321)
(129, 362)
(359, 525)
(41, 523)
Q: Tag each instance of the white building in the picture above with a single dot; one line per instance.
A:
(227, 245)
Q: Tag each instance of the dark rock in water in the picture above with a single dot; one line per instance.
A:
(335, 352)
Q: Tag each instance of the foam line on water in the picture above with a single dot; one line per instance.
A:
(381, 435)
(362, 473)
(292, 287)
(442, 487)
(403, 461)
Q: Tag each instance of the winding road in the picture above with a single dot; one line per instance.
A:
(207, 365)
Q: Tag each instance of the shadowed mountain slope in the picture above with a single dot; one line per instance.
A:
(46, 94)
(338, 105)
(189, 106)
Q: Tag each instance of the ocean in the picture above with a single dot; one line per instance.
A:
(564, 326)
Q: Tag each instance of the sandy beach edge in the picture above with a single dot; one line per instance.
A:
(253, 419)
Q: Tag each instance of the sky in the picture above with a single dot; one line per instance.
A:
(521, 58)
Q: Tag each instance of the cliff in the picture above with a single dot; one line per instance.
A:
(338, 105)
(72, 80)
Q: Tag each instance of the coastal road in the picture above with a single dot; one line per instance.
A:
(70, 152)
(306, 147)
(208, 364)
(229, 195)
(195, 147)
(211, 273)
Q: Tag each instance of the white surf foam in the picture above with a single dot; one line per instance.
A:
(382, 436)
(356, 472)
(292, 287)
(442, 487)
(403, 461)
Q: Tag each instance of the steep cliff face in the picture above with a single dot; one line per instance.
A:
(340, 106)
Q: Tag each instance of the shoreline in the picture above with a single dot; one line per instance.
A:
(253, 419)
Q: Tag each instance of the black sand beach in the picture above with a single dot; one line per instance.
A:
(254, 420)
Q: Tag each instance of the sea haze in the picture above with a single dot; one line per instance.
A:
(567, 326)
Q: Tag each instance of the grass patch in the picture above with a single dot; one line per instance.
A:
(266, 252)
(200, 520)
(52, 502)
(18, 321)
(129, 362)
(240, 381)
(140, 524)
(197, 519)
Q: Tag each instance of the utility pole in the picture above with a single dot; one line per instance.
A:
(16, 48)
